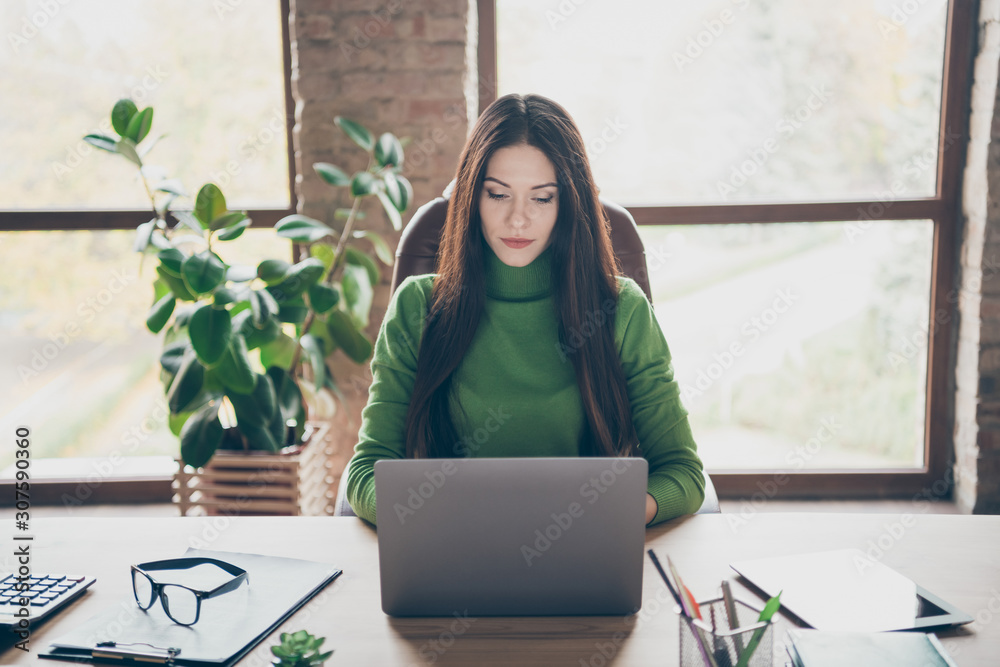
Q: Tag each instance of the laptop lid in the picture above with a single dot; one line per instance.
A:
(511, 536)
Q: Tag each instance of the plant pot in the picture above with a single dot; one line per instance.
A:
(295, 481)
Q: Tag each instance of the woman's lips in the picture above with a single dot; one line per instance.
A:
(517, 243)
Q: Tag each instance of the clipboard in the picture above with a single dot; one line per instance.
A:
(230, 627)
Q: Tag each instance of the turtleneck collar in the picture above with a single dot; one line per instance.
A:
(518, 283)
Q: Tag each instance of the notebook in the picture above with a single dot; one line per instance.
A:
(814, 648)
(229, 627)
(845, 590)
(511, 536)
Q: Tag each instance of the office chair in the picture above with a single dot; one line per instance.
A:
(416, 254)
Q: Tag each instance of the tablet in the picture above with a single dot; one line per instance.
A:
(849, 591)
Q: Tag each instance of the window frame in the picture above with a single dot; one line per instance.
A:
(943, 209)
(141, 489)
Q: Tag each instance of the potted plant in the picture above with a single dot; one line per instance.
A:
(245, 347)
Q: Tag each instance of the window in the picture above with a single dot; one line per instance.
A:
(794, 169)
(79, 367)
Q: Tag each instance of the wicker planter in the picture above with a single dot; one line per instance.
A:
(259, 483)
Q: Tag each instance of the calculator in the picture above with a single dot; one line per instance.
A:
(45, 594)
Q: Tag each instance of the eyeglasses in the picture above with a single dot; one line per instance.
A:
(182, 604)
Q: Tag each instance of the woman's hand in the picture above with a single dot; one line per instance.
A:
(651, 508)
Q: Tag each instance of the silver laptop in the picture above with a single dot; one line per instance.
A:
(511, 536)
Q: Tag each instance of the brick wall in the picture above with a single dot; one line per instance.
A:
(397, 66)
(977, 371)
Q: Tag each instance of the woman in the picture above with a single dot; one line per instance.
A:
(525, 343)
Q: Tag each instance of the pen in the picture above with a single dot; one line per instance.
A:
(666, 580)
(731, 618)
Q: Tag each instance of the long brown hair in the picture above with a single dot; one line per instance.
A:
(583, 274)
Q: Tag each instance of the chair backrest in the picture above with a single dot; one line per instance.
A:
(416, 253)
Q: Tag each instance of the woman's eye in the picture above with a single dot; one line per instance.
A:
(494, 196)
(544, 200)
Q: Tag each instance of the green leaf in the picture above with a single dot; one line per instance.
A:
(235, 231)
(148, 147)
(172, 357)
(273, 271)
(382, 249)
(345, 213)
(171, 260)
(176, 285)
(201, 436)
(257, 337)
(121, 115)
(363, 184)
(211, 331)
(399, 190)
(203, 272)
(176, 422)
(324, 253)
(263, 306)
(234, 369)
(173, 186)
(187, 219)
(390, 210)
(293, 313)
(240, 273)
(127, 148)
(358, 258)
(102, 141)
(209, 204)
(350, 340)
(160, 289)
(186, 384)
(224, 296)
(314, 351)
(298, 279)
(257, 406)
(160, 313)
(388, 151)
(139, 124)
(357, 132)
(288, 394)
(278, 352)
(765, 617)
(302, 229)
(323, 297)
(143, 235)
(226, 219)
(331, 174)
(358, 293)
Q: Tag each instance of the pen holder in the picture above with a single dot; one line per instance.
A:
(700, 647)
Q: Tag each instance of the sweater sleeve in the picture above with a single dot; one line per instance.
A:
(394, 367)
(676, 478)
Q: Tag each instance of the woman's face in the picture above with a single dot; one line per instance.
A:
(519, 203)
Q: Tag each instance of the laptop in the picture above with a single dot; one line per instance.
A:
(511, 536)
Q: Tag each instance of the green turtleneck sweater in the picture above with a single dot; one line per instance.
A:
(517, 390)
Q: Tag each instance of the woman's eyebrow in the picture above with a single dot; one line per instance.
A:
(543, 185)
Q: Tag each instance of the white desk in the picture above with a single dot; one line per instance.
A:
(956, 557)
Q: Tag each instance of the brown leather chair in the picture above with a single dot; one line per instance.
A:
(416, 254)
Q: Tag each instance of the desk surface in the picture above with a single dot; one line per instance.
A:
(956, 557)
